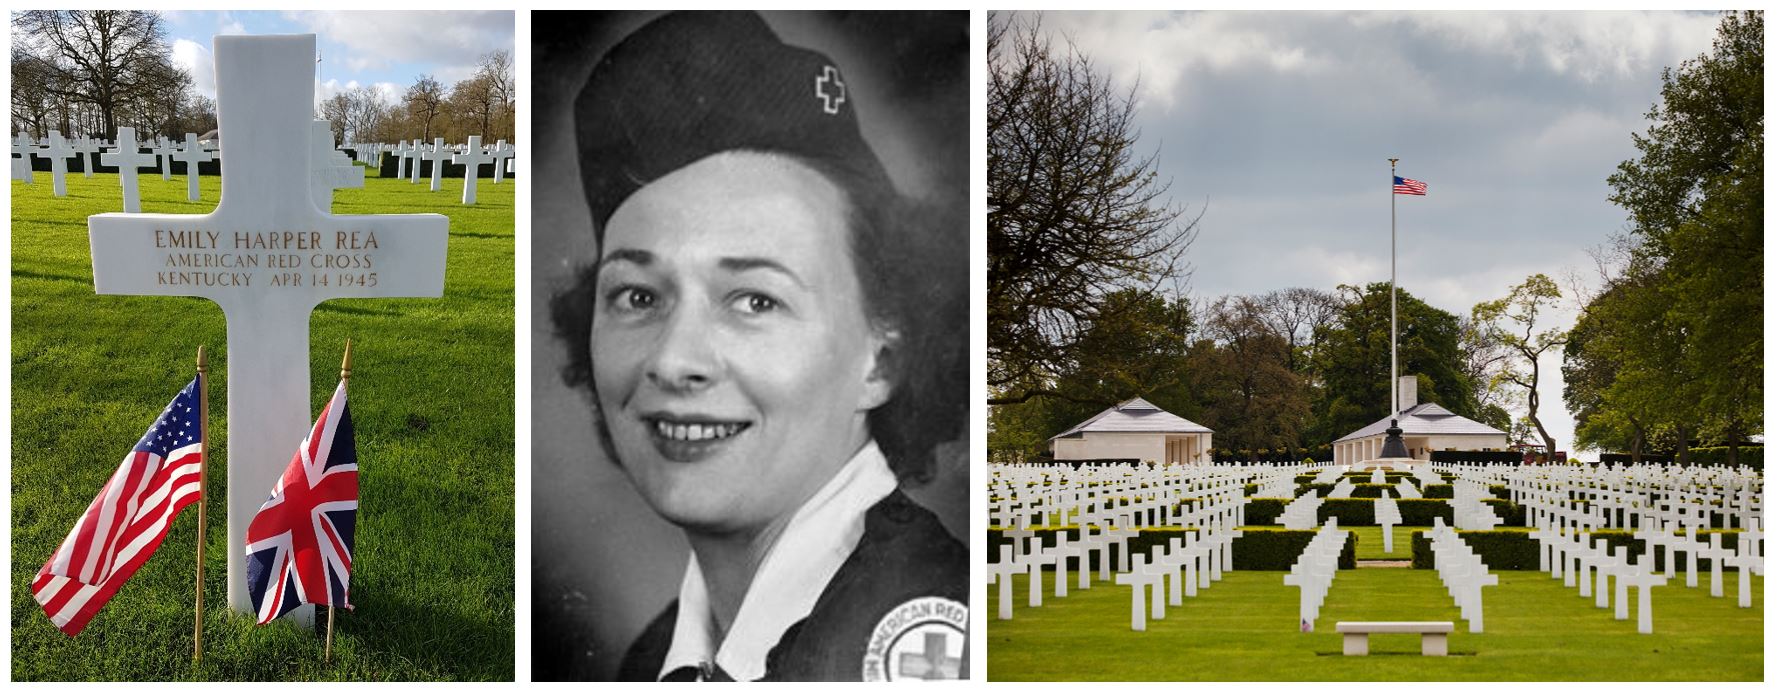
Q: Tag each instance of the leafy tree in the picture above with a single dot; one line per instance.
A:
(1241, 373)
(1073, 214)
(1695, 198)
(1352, 361)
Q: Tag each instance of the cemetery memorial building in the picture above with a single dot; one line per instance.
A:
(1134, 429)
(1425, 427)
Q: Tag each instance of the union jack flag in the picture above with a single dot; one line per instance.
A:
(128, 519)
(299, 545)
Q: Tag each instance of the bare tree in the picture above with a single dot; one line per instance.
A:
(1073, 214)
(1295, 314)
(107, 58)
(424, 100)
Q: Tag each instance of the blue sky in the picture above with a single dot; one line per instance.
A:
(387, 50)
(1278, 127)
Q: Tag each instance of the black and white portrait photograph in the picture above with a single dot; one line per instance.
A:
(750, 346)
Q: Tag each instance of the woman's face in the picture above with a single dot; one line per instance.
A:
(732, 358)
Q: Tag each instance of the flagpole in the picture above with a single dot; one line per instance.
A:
(203, 466)
(345, 375)
(1394, 379)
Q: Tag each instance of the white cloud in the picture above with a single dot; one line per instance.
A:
(195, 59)
(378, 40)
(1164, 49)
(1588, 45)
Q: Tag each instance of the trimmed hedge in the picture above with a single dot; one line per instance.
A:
(1257, 549)
(1514, 550)
(1263, 511)
(1439, 491)
(1477, 457)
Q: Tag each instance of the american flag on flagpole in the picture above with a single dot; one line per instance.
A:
(1408, 186)
(299, 545)
(128, 519)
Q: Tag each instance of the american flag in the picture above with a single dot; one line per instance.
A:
(1408, 186)
(128, 519)
(299, 545)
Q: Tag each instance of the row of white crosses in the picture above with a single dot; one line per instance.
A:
(58, 150)
(1470, 512)
(1313, 571)
(1578, 557)
(408, 159)
(1109, 503)
(1301, 513)
(1462, 571)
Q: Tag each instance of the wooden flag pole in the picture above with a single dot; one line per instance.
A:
(203, 466)
(345, 374)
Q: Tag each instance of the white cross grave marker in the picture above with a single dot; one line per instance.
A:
(326, 171)
(57, 152)
(437, 155)
(88, 149)
(127, 157)
(267, 256)
(192, 154)
(472, 159)
(164, 150)
(23, 147)
(413, 169)
(501, 153)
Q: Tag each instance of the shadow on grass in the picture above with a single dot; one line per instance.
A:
(480, 235)
(27, 274)
(355, 311)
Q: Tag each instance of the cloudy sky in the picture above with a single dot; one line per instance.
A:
(387, 50)
(1279, 126)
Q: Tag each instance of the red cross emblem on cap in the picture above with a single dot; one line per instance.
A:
(830, 101)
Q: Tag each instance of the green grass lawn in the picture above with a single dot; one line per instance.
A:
(1369, 542)
(1244, 628)
(432, 403)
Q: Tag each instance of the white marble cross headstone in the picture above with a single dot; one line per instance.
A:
(164, 150)
(127, 157)
(192, 154)
(400, 153)
(326, 173)
(437, 155)
(23, 147)
(472, 159)
(267, 256)
(501, 153)
(57, 152)
(88, 148)
(413, 169)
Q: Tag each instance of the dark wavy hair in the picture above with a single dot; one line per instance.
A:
(911, 259)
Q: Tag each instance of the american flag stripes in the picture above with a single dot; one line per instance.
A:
(1408, 186)
(128, 519)
(299, 545)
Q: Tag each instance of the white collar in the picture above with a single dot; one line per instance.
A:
(796, 569)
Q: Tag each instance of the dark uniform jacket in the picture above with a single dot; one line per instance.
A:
(904, 554)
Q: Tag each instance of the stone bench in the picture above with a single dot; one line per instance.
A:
(1434, 636)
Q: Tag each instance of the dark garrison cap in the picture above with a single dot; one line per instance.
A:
(692, 84)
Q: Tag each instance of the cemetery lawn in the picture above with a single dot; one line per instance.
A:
(1243, 628)
(1369, 542)
(432, 395)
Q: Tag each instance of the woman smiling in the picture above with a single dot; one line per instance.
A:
(759, 337)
